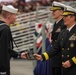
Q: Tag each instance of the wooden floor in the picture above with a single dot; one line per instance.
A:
(21, 67)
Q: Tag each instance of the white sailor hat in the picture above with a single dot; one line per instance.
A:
(10, 8)
(57, 6)
(69, 11)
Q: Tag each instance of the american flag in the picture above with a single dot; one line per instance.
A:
(48, 30)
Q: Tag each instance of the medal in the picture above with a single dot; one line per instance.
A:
(58, 30)
(72, 45)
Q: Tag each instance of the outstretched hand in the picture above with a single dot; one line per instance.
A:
(37, 56)
(24, 54)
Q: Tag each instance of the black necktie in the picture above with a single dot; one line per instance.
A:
(67, 32)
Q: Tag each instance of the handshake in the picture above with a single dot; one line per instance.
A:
(31, 55)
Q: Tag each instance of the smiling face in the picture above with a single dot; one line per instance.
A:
(69, 20)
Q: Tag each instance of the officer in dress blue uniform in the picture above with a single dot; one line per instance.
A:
(66, 44)
(57, 11)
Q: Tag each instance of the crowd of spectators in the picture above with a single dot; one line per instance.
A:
(31, 5)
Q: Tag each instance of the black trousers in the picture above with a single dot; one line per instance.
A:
(69, 71)
(55, 70)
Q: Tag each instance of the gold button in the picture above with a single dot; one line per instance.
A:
(62, 48)
(67, 48)
(67, 55)
(62, 55)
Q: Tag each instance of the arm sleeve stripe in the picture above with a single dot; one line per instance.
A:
(74, 59)
(46, 55)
